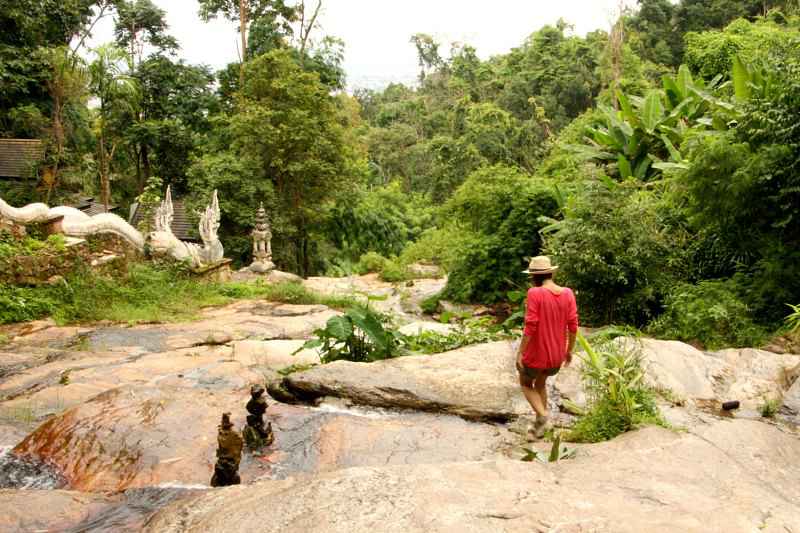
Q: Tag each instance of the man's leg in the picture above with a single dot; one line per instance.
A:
(540, 388)
(540, 391)
(532, 396)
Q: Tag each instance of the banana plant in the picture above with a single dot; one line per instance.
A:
(642, 137)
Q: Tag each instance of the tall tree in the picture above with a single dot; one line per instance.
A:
(140, 23)
(116, 92)
(274, 14)
(286, 137)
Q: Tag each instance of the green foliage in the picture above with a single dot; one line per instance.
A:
(617, 250)
(393, 272)
(557, 453)
(500, 211)
(710, 313)
(619, 399)
(770, 407)
(793, 319)
(713, 53)
(370, 262)
(644, 135)
(359, 335)
(381, 220)
(468, 332)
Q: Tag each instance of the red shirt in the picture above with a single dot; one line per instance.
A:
(547, 319)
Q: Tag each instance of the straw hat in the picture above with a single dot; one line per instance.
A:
(540, 265)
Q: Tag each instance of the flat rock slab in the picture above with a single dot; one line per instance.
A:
(733, 476)
(134, 437)
(477, 382)
(274, 355)
(747, 375)
(47, 510)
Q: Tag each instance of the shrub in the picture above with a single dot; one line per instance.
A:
(503, 210)
(770, 407)
(616, 250)
(619, 399)
(710, 313)
(370, 262)
(359, 335)
(393, 271)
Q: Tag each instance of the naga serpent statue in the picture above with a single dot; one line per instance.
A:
(75, 223)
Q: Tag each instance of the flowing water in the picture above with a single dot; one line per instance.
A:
(134, 508)
(18, 473)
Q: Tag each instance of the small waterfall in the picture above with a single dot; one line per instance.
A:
(19, 473)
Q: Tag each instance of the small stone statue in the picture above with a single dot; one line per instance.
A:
(229, 453)
(255, 434)
(262, 243)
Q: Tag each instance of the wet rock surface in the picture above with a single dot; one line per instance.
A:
(477, 382)
(129, 416)
(724, 477)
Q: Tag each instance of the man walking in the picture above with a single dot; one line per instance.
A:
(551, 323)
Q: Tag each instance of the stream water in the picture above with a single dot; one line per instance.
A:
(134, 508)
(17, 473)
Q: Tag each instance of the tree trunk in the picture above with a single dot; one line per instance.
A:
(243, 31)
(145, 162)
(105, 186)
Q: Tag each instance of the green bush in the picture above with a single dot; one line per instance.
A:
(20, 304)
(358, 335)
(503, 210)
(393, 271)
(710, 313)
(619, 399)
(473, 331)
(370, 262)
(617, 250)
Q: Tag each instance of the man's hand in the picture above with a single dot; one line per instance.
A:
(568, 360)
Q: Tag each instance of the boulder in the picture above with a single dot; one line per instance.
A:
(419, 326)
(420, 271)
(274, 355)
(134, 437)
(725, 478)
(47, 510)
(791, 400)
(743, 374)
(476, 382)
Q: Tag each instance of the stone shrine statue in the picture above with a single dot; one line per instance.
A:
(255, 434)
(262, 243)
(229, 454)
(163, 242)
(74, 223)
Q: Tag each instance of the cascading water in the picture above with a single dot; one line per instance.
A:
(18, 473)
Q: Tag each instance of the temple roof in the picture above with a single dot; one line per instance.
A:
(18, 156)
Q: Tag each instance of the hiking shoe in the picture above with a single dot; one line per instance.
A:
(541, 426)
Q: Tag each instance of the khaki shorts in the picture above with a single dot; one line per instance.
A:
(528, 374)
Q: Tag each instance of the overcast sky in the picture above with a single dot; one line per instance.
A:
(377, 32)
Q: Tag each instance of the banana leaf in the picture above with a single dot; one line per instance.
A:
(741, 80)
(640, 172)
(624, 166)
(653, 111)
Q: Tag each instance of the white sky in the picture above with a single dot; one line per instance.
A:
(377, 32)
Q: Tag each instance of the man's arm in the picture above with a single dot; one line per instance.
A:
(523, 345)
(531, 325)
(570, 347)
